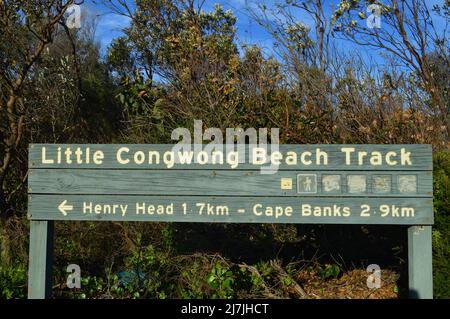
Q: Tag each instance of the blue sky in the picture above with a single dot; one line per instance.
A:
(110, 24)
(248, 31)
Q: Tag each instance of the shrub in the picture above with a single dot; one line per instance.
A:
(441, 229)
(13, 282)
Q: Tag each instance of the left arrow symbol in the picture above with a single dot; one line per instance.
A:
(63, 208)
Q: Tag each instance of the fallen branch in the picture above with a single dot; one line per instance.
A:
(283, 274)
(267, 291)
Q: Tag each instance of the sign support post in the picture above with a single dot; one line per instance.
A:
(41, 259)
(420, 269)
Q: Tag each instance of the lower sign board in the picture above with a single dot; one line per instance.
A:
(226, 209)
(310, 184)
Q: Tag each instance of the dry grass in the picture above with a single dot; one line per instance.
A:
(351, 285)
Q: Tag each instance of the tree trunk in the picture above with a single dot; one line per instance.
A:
(5, 255)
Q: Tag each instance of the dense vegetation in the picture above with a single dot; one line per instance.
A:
(176, 63)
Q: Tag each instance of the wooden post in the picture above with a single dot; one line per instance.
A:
(420, 262)
(41, 259)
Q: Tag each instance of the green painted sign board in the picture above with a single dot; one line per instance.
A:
(310, 184)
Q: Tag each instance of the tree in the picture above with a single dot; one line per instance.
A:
(301, 31)
(70, 96)
(409, 30)
(297, 41)
(26, 29)
(191, 52)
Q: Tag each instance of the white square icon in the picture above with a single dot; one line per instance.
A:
(356, 183)
(306, 183)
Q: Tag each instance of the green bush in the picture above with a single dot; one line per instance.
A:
(441, 229)
(92, 287)
(329, 271)
(149, 269)
(13, 282)
(221, 281)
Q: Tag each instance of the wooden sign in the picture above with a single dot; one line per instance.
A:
(314, 184)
